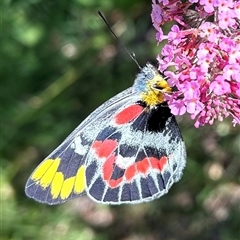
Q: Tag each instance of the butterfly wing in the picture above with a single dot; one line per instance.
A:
(137, 157)
(129, 150)
(61, 175)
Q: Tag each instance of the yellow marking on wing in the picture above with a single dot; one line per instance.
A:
(155, 90)
(79, 185)
(45, 172)
(57, 183)
(47, 178)
(40, 171)
(67, 187)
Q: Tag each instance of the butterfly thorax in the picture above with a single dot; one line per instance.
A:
(151, 86)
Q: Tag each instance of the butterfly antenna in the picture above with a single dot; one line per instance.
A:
(132, 55)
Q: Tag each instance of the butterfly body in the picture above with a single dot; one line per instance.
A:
(129, 150)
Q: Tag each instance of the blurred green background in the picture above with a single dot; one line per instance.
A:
(59, 62)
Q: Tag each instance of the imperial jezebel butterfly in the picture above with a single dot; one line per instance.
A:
(129, 150)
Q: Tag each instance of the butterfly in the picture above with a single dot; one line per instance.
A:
(129, 150)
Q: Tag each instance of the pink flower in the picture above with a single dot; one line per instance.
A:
(178, 107)
(205, 55)
(219, 86)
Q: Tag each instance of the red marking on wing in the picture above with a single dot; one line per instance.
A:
(128, 114)
(108, 167)
(108, 170)
(144, 166)
(115, 183)
(158, 164)
(130, 172)
(105, 148)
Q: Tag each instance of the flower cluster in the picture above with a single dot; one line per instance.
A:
(204, 50)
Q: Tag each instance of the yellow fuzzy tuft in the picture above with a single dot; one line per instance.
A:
(155, 91)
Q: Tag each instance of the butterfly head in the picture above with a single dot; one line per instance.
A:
(151, 85)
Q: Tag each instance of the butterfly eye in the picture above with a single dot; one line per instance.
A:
(149, 75)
